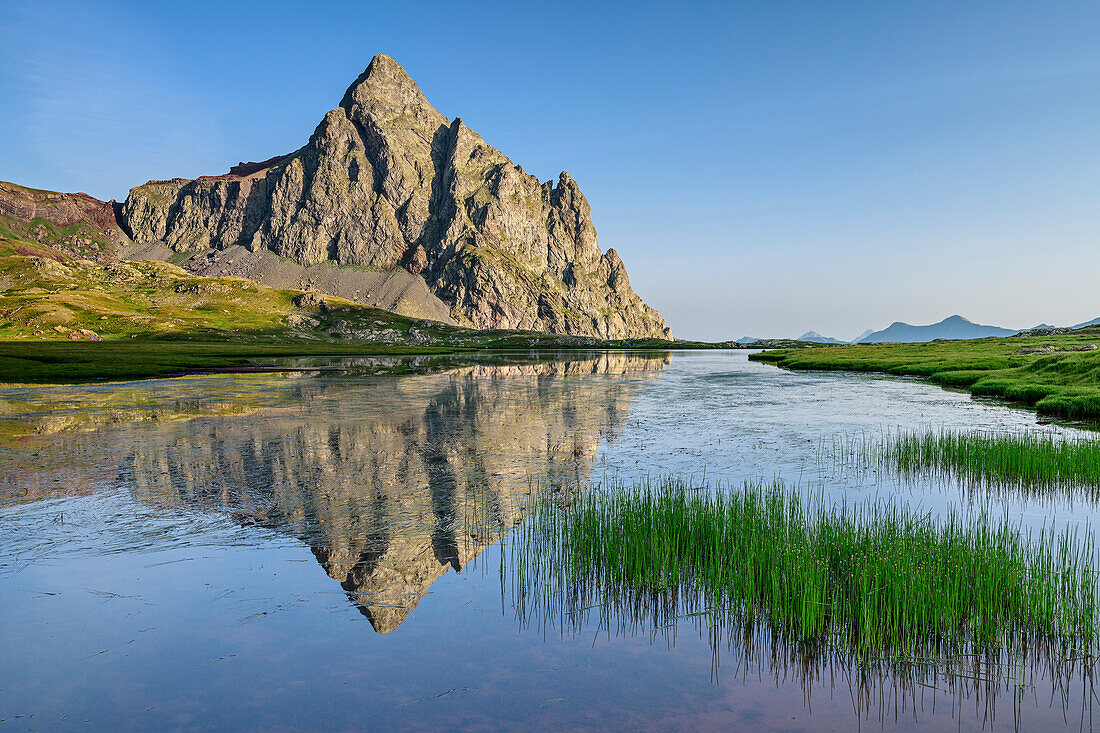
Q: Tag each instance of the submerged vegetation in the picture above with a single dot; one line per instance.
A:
(1025, 460)
(878, 579)
(1058, 374)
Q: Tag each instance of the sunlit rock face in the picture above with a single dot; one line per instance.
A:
(395, 481)
(388, 182)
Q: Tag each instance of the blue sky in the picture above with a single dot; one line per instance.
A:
(762, 168)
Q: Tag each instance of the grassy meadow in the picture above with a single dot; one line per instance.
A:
(1054, 378)
(65, 319)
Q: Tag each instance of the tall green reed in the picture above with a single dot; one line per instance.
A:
(1025, 460)
(877, 578)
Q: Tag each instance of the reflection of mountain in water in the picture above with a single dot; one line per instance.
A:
(393, 481)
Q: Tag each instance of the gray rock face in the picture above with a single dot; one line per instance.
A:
(388, 182)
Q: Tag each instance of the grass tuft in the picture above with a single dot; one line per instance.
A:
(1024, 460)
(882, 580)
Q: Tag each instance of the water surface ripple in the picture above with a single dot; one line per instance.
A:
(317, 549)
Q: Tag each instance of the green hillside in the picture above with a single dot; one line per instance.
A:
(1057, 374)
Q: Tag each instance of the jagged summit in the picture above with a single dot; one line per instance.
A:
(387, 182)
(386, 84)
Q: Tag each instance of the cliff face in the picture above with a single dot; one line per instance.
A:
(388, 182)
(63, 209)
(74, 223)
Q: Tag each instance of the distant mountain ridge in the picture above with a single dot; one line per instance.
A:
(862, 336)
(952, 327)
(817, 338)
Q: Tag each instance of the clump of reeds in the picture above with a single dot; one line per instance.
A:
(879, 578)
(1024, 460)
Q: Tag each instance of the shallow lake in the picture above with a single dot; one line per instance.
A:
(313, 549)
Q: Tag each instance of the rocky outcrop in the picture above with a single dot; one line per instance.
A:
(74, 223)
(62, 209)
(387, 182)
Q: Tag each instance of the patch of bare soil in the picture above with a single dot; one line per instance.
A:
(397, 291)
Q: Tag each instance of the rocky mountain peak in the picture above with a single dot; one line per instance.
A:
(386, 90)
(388, 182)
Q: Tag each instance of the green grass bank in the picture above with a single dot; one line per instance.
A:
(1057, 375)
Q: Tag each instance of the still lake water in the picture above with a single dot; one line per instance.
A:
(307, 549)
